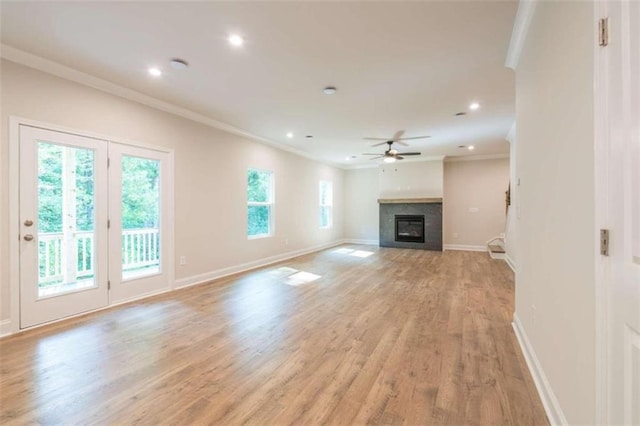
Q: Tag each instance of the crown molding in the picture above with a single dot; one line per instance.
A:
(476, 157)
(521, 25)
(54, 68)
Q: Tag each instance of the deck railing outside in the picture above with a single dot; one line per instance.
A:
(140, 249)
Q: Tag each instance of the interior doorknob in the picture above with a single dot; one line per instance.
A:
(28, 237)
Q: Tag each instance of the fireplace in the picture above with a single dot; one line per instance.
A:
(409, 228)
(422, 230)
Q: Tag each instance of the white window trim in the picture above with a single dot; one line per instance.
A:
(330, 205)
(270, 204)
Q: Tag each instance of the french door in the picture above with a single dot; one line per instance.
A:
(138, 233)
(93, 228)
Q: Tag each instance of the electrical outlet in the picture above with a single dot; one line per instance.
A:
(183, 260)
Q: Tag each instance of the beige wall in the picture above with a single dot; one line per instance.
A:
(556, 226)
(411, 179)
(474, 201)
(210, 181)
(361, 220)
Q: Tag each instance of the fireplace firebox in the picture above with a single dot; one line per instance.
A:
(410, 228)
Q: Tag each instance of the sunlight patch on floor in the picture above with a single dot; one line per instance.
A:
(282, 272)
(301, 278)
(352, 252)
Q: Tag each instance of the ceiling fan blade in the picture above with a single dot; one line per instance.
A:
(375, 158)
(414, 137)
(376, 139)
(397, 135)
(371, 154)
(399, 142)
(398, 157)
(409, 153)
(381, 143)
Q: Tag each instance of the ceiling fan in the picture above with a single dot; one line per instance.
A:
(397, 137)
(391, 155)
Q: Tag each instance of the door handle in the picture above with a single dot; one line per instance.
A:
(28, 237)
(28, 222)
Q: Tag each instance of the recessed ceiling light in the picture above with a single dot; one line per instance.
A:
(470, 147)
(155, 71)
(289, 135)
(329, 90)
(462, 146)
(178, 64)
(309, 136)
(235, 40)
(474, 106)
(353, 156)
(461, 113)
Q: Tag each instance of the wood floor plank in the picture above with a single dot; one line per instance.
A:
(384, 336)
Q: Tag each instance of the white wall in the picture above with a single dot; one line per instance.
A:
(556, 228)
(421, 179)
(210, 181)
(474, 201)
(361, 204)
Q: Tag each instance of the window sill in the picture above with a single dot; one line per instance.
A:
(258, 237)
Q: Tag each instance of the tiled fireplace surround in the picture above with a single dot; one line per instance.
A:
(430, 208)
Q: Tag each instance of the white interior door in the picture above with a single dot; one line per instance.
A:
(63, 225)
(621, 59)
(139, 211)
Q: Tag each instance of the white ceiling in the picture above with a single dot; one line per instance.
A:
(397, 65)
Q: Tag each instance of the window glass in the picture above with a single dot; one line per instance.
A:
(259, 203)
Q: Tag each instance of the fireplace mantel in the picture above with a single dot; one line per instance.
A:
(409, 200)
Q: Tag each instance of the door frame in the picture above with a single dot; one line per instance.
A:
(14, 210)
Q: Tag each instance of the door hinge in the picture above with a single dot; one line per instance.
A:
(108, 162)
(603, 32)
(604, 242)
(108, 223)
(108, 285)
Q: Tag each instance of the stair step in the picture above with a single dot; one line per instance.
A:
(495, 248)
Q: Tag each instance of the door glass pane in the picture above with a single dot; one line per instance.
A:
(140, 217)
(65, 219)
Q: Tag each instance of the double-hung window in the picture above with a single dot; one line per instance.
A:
(326, 204)
(259, 203)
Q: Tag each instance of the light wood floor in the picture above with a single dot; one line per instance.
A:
(400, 336)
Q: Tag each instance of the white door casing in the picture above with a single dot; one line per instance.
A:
(17, 216)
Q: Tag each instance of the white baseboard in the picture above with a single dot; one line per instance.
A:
(221, 273)
(510, 262)
(549, 400)
(5, 328)
(365, 242)
(464, 247)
